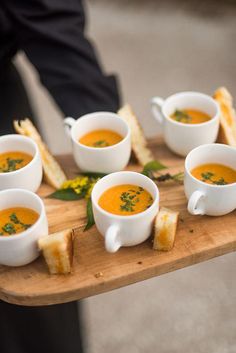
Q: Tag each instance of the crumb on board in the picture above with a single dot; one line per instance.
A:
(191, 230)
(139, 262)
(98, 274)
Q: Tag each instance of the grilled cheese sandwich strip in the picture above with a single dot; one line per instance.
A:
(227, 132)
(53, 172)
(138, 140)
(57, 249)
(165, 229)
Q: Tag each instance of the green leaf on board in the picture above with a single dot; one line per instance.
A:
(152, 166)
(90, 217)
(66, 195)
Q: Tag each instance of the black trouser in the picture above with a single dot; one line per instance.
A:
(49, 329)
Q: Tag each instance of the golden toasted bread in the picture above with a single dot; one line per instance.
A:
(138, 140)
(227, 132)
(53, 173)
(165, 229)
(57, 250)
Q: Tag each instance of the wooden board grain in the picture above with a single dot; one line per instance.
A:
(95, 271)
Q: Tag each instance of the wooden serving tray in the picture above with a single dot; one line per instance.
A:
(95, 271)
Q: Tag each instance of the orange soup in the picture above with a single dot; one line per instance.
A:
(216, 174)
(100, 138)
(16, 220)
(190, 116)
(11, 161)
(125, 200)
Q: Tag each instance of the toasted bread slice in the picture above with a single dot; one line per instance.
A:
(227, 132)
(57, 250)
(165, 229)
(53, 172)
(138, 140)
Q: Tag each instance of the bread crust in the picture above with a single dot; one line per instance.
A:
(139, 143)
(53, 173)
(227, 131)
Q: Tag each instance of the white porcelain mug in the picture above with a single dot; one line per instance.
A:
(21, 249)
(30, 176)
(121, 230)
(103, 160)
(208, 199)
(182, 138)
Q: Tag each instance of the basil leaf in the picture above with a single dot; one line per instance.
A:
(93, 174)
(90, 217)
(152, 166)
(66, 195)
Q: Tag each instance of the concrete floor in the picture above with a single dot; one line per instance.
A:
(159, 48)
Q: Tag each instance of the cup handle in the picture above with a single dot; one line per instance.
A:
(68, 123)
(156, 106)
(193, 204)
(112, 239)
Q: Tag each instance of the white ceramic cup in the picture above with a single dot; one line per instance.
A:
(124, 230)
(21, 249)
(182, 138)
(103, 160)
(30, 176)
(203, 198)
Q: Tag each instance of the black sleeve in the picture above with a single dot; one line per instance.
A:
(51, 33)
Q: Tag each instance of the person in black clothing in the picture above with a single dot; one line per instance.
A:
(51, 33)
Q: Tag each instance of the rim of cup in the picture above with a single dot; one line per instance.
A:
(30, 229)
(202, 147)
(22, 138)
(128, 217)
(216, 116)
(101, 113)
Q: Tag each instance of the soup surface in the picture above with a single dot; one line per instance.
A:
(101, 138)
(16, 219)
(11, 161)
(216, 174)
(190, 116)
(125, 200)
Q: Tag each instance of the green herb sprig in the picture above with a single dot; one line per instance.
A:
(101, 143)
(129, 200)
(181, 116)
(9, 227)
(155, 166)
(11, 165)
(207, 176)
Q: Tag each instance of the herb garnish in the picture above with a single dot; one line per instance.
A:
(14, 219)
(10, 227)
(11, 165)
(101, 143)
(129, 199)
(181, 116)
(207, 176)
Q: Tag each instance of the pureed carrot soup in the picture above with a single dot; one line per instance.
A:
(215, 174)
(11, 161)
(100, 138)
(125, 200)
(16, 220)
(190, 116)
